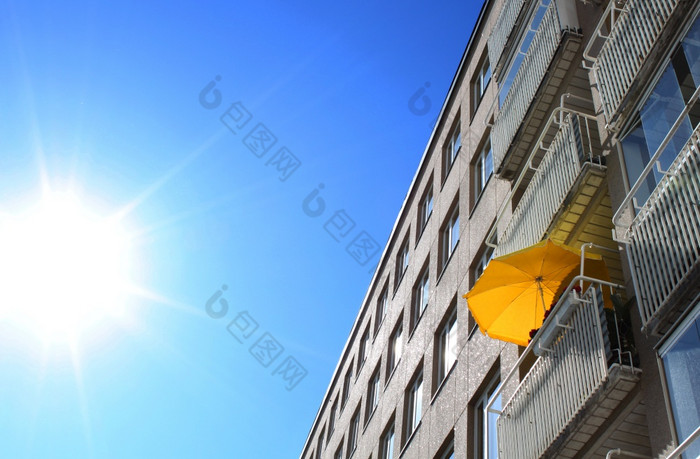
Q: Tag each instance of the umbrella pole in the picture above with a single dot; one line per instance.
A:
(539, 287)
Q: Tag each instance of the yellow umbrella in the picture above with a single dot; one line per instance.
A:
(514, 291)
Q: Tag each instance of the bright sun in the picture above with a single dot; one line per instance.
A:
(62, 268)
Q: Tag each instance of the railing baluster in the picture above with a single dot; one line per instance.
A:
(664, 236)
(558, 385)
(629, 43)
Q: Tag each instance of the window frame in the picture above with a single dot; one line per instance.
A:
(363, 347)
(402, 261)
(331, 418)
(480, 179)
(354, 431)
(480, 82)
(451, 148)
(421, 295)
(395, 348)
(387, 441)
(448, 244)
(413, 405)
(382, 308)
(425, 209)
(667, 345)
(339, 451)
(481, 262)
(347, 382)
(447, 337)
(481, 417)
(373, 389)
(319, 443)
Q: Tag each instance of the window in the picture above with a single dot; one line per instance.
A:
(670, 95)
(319, 444)
(446, 344)
(339, 452)
(364, 343)
(414, 405)
(346, 383)
(521, 50)
(482, 169)
(680, 358)
(331, 419)
(426, 208)
(480, 82)
(421, 292)
(382, 307)
(401, 262)
(485, 436)
(372, 395)
(354, 431)
(451, 149)
(386, 443)
(395, 348)
(450, 236)
(447, 450)
(483, 261)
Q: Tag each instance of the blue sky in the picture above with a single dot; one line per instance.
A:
(105, 99)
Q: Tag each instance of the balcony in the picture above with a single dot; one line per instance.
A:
(567, 179)
(507, 25)
(547, 67)
(631, 40)
(581, 396)
(664, 241)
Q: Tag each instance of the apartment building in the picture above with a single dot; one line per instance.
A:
(573, 120)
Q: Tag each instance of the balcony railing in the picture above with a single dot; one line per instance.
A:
(502, 30)
(550, 184)
(527, 80)
(664, 237)
(576, 360)
(630, 41)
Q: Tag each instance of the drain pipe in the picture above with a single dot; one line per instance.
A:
(620, 452)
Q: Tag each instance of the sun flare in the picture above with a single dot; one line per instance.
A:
(62, 268)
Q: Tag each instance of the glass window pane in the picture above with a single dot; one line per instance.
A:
(658, 115)
(454, 236)
(636, 154)
(682, 368)
(691, 48)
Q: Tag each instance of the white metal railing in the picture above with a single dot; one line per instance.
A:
(687, 443)
(526, 82)
(550, 184)
(503, 28)
(631, 39)
(664, 237)
(572, 367)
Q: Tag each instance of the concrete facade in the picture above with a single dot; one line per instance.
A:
(633, 412)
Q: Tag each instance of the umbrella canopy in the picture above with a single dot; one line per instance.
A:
(514, 291)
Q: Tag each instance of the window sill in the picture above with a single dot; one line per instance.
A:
(415, 326)
(410, 438)
(472, 331)
(447, 263)
(449, 169)
(376, 331)
(444, 381)
(391, 375)
(398, 282)
(481, 99)
(422, 230)
(481, 194)
(369, 419)
(359, 369)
